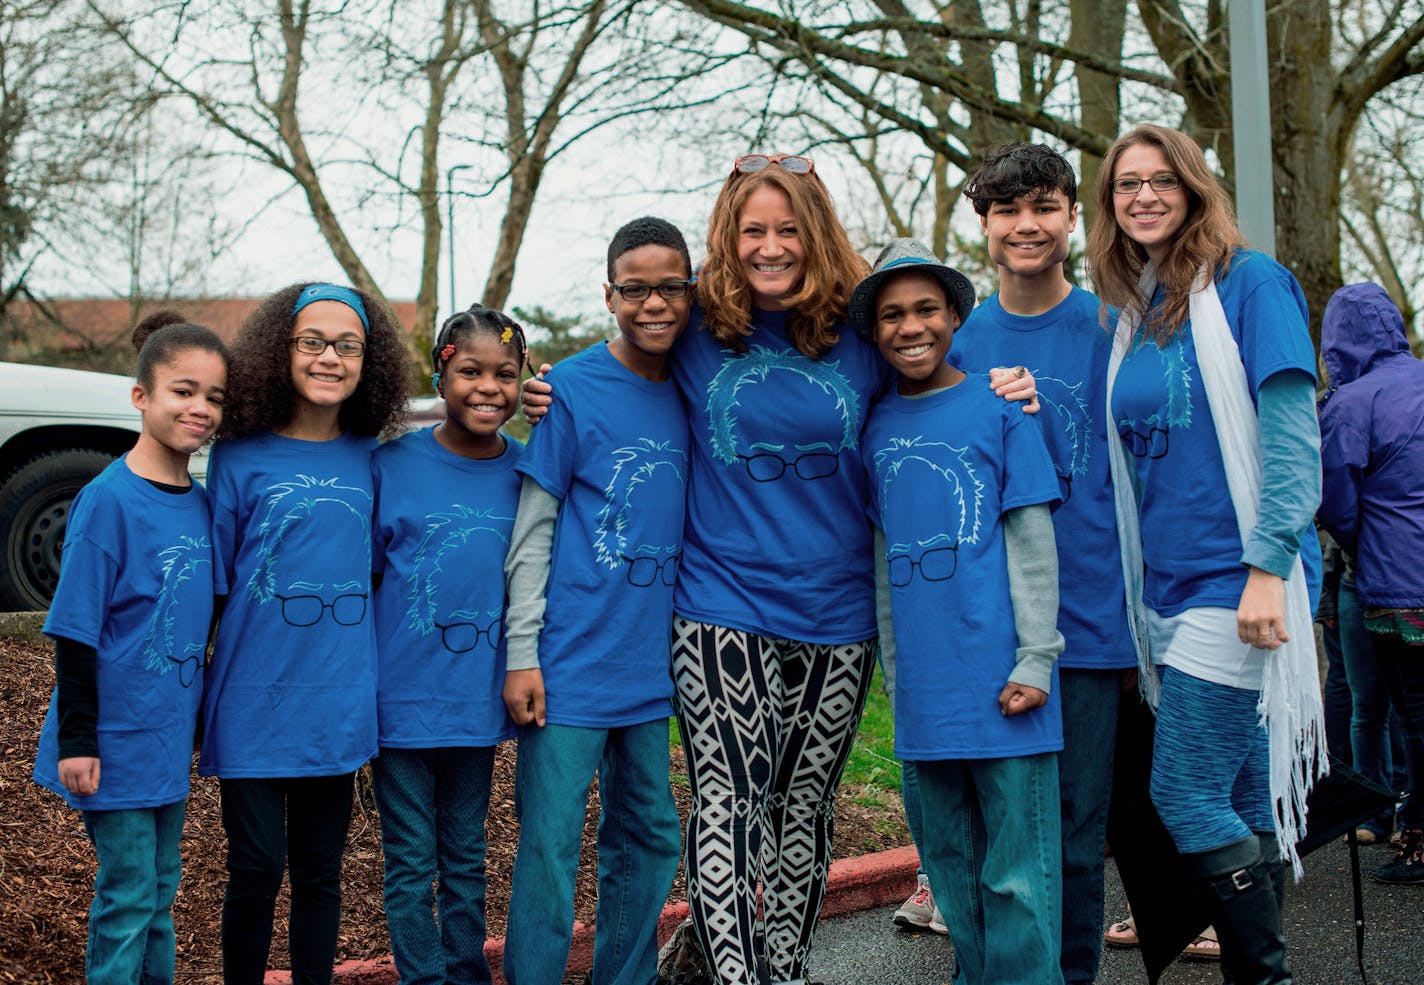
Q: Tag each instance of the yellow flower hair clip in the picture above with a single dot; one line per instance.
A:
(506, 335)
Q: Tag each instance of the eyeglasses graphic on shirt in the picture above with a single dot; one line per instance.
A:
(937, 564)
(462, 637)
(768, 466)
(1153, 444)
(188, 668)
(308, 610)
(644, 571)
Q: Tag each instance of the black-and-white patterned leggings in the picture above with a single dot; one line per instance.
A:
(766, 726)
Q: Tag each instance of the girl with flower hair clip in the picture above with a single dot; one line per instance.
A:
(445, 505)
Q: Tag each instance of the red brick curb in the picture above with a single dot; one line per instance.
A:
(855, 884)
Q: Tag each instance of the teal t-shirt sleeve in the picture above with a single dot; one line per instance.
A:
(1290, 471)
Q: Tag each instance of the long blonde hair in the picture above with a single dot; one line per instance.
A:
(1208, 237)
(830, 266)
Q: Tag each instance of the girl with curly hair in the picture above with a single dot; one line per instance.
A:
(1217, 476)
(290, 707)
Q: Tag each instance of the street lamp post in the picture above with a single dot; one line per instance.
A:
(1251, 124)
(450, 222)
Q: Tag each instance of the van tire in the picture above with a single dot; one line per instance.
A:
(34, 509)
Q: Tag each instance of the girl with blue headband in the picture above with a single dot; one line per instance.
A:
(290, 709)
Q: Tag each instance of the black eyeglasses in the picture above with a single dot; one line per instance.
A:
(644, 571)
(1159, 183)
(670, 290)
(752, 163)
(308, 610)
(938, 564)
(1153, 444)
(769, 466)
(462, 637)
(313, 346)
(188, 668)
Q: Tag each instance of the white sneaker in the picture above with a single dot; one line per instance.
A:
(937, 923)
(919, 910)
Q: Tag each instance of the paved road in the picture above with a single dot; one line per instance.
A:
(866, 949)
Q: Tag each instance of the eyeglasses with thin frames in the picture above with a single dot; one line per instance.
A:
(312, 345)
(1159, 183)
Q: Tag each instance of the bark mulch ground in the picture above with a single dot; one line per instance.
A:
(47, 864)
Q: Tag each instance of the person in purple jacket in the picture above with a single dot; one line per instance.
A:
(1372, 455)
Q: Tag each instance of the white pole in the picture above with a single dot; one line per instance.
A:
(1251, 124)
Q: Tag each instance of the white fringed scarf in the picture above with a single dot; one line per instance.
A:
(1290, 703)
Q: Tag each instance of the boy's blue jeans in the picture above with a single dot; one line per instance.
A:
(433, 805)
(639, 844)
(131, 919)
(991, 843)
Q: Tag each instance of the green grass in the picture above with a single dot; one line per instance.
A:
(872, 762)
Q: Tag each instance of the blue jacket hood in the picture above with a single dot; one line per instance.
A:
(1361, 327)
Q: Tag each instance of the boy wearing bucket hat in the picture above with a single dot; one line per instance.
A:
(961, 484)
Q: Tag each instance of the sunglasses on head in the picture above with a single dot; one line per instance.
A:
(752, 163)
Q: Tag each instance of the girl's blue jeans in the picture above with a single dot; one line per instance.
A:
(131, 919)
(433, 805)
(1376, 737)
(639, 842)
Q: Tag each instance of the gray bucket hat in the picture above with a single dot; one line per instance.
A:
(906, 254)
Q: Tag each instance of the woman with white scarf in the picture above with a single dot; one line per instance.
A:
(1217, 473)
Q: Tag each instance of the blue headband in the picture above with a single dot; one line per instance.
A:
(332, 292)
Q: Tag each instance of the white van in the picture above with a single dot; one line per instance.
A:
(58, 429)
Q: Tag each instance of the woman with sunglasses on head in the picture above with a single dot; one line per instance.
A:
(1212, 385)
(773, 640)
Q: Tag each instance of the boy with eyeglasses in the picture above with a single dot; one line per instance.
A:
(967, 594)
(592, 562)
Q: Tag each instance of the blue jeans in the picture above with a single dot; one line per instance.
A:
(433, 805)
(1090, 699)
(1402, 667)
(639, 843)
(1339, 704)
(993, 850)
(131, 919)
(1210, 763)
(1375, 733)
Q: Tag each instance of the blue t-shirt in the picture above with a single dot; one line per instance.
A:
(944, 468)
(613, 450)
(777, 543)
(136, 584)
(1067, 351)
(442, 531)
(292, 687)
(1191, 543)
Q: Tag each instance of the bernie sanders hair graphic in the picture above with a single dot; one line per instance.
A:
(964, 492)
(755, 367)
(1150, 437)
(180, 564)
(452, 540)
(635, 467)
(290, 505)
